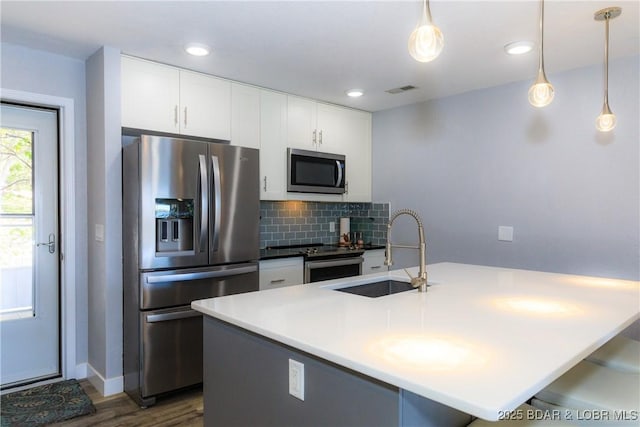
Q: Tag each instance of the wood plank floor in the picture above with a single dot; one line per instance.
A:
(182, 409)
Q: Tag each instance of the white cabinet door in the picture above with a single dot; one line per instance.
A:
(205, 106)
(150, 95)
(277, 273)
(273, 151)
(357, 149)
(332, 124)
(374, 261)
(245, 115)
(301, 123)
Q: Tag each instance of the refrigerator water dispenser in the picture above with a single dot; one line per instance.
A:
(174, 225)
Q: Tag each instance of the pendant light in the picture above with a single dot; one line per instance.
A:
(426, 41)
(606, 121)
(541, 92)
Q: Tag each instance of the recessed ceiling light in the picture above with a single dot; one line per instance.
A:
(519, 48)
(355, 93)
(197, 49)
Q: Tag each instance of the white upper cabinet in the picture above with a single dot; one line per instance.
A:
(162, 98)
(302, 131)
(356, 135)
(166, 99)
(245, 115)
(205, 105)
(273, 152)
(150, 96)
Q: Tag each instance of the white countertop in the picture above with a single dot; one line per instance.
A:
(481, 340)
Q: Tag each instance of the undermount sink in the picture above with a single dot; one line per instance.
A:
(378, 289)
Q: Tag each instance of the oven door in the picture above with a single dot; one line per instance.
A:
(316, 271)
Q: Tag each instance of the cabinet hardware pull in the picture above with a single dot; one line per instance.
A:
(320, 137)
(314, 136)
(375, 267)
(277, 281)
(265, 183)
(175, 116)
(185, 117)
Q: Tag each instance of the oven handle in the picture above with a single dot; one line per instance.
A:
(177, 315)
(310, 265)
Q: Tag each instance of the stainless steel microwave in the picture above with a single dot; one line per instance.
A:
(315, 172)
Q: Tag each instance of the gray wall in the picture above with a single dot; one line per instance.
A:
(105, 208)
(472, 162)
(40, 72)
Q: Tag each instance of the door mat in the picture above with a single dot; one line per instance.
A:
(45, 404)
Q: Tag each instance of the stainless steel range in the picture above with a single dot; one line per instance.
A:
(326, 262)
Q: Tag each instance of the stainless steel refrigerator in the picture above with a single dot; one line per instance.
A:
(190, 231)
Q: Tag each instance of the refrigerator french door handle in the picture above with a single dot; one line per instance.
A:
(339, 181)
(215, 173)
(181, 277)
(204, 197)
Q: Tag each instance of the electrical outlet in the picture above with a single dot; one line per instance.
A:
(296, 379)
(332, 226)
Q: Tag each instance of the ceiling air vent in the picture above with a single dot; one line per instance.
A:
(401, 89)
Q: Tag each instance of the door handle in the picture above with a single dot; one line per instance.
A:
(204, 197)
(217, 202)
(51, 243)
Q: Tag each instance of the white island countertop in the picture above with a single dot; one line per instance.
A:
(482, 339)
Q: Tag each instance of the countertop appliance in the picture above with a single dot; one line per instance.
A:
(326, 262)
(190, 231)
(315, 172)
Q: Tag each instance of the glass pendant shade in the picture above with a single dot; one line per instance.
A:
(605, 122)
(541, 92)
(426, 41)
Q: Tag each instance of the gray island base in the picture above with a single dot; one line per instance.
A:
(246, 383)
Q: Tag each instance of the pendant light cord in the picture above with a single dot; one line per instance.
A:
(426, 12)
(606, 59)
(541, 57)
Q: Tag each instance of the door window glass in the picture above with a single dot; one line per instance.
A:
(16, 224)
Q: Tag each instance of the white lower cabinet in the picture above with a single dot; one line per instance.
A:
(374, 261)
(280, 272)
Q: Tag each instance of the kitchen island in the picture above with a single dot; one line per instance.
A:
(479, 343)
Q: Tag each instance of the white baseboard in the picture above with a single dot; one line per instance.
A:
(105, 387)
(81, 371)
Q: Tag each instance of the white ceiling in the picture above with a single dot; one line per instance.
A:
(320, 49)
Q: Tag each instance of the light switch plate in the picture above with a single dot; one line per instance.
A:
(296, 379)
(505, 233)
(99, 233)
(332, 226)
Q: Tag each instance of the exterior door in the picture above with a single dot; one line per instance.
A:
(29, 261)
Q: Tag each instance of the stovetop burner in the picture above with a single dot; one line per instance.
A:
(325, 250)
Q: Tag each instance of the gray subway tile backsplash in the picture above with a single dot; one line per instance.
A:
(300, 223)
